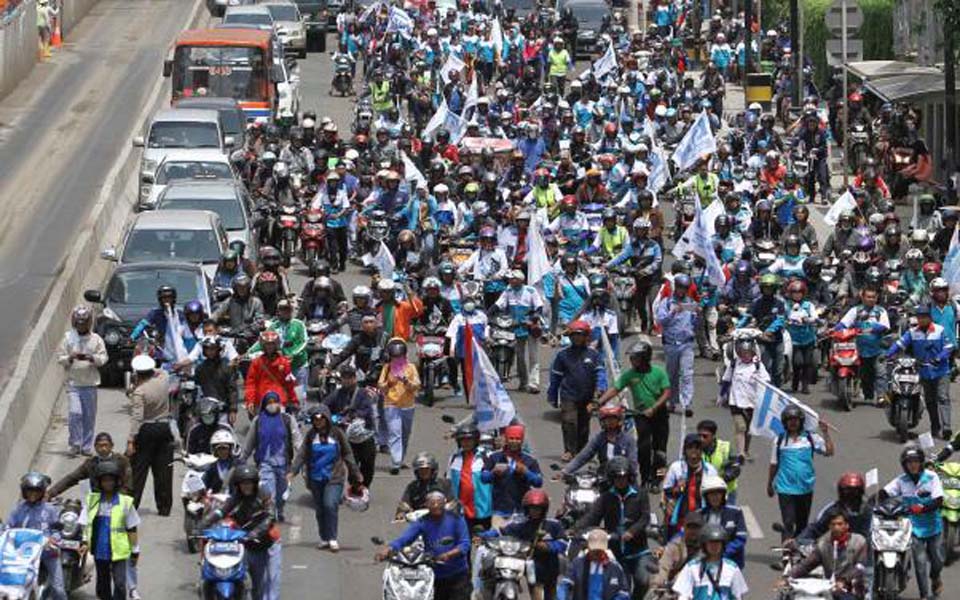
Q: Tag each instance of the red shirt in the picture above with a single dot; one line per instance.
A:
(266, 375)
(466, 486)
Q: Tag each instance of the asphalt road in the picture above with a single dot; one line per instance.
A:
(60, 133)
(864, 441)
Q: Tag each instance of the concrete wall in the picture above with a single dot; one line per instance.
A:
(72, 11)
(18, 46)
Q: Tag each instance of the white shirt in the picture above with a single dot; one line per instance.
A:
(677, 473)
(695, 576)
(745, 382)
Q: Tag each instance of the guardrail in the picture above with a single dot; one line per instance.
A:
(19, 43)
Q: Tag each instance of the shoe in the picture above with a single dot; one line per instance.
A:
(74, 450)
(394, 470)
(947, 434)
(323, 545)
(334, 546)
(281, 518)
(404, 466)
(134, 594)
(688, 412)
(532, 389)
(937, 587)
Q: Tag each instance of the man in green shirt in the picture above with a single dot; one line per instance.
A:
(293, 340)
(649, 390)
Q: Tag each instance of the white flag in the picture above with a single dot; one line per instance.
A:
(538, 264)
(453, 64)
(702, 246)
(438, 119)
(606, 63)
(382, 260)
(411, 171)
(494, 408)
(844, 202)
(370, 10)
(685, 244)
(496, 36)
(473, 95)
(697, 143)
(399, 21)
(766, 415)
(951, 264)
(173, 342)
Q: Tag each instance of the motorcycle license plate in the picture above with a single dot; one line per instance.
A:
(506, 335)
(509, 562)
(224, 547)
(288, 221)
(914, 378)
(431, 350)
(69, 544)
(584, 496)
(840, 346)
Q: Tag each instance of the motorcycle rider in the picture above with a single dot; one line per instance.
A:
(679, 320)
(450, 565)
(293, 340)
(197, 439)
(944, 310)
(921, 490)
(426, 479)
(928, 344)
(270, 372)
(683, 482)
(251, 508)
(159, 317)
(711, 574)
(790, 264)
(801, 316)
(611, 441)
(525, 306)
(842, 236)
(103, 451)
(770, 314)
(676, 553)
(851, 489)
(717, 511)
(243, 310)
(32, 511)
(593, 574)
(842, 553)
(646, 256)
(112, 538)
(717, 453)
(272, 441)
(217, 377)
(624, 512)
(223, 446)
(873, 323)
(511, 472)
(819, 291)
(469, 324)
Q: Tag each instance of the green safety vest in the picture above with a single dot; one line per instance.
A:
(720, 456)
(381, 96)
(119, 538)
(558, 62)
(706, 188)
(612, 243)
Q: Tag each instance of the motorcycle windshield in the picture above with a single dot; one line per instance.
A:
(224, 534)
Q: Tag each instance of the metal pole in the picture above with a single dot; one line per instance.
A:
(846, 113)
(796, 59)
(950, 105)
(747, 43)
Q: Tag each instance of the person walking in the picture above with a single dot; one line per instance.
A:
(679, 319)
(272, 440)
(110, 521)
(82, 353)
(576, 378)
(103, 451)
(151, 440)
(399, 383)
(326, 459)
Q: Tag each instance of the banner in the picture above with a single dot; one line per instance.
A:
(493, 408)
(844, 202)
(496, 36)
(606, 63)
(710, 214)
(659, 170)
(766, 415)
(696, 143)
(382, 260)
(411, 171)
(399, 21)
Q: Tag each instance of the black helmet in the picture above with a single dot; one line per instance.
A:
(713, 532)
(568, 260)
(792, 240)
(618, 466)
(240, 281)
(270, 256)
(911, 452)
(245, 473)
(396, 348)
(425, 460)
(167, 290)
(642, 349)
(107, 468)
(812, 266)
(792, 411)
(873, 277)
(467, 430)
(34, 481)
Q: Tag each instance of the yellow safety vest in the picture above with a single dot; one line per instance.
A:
(558, 62)
(381, 96)
(119, 538)
(612, 243)
(720, 456)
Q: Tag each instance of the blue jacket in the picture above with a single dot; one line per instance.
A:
(678, 328)
(575, 584)
(33, 516)
(158, 319)
(508, 489)
(433, 531)
(769, 312)
(731, 519)
(931, 348)
(577, 374)
(482, 491)
(550, 531)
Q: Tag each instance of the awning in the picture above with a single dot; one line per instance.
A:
(893, 80)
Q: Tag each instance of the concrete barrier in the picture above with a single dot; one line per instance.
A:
(18, 45)
(72, 11)
(30, 395)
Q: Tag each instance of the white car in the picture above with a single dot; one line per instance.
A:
(290, 26)
(180, 165)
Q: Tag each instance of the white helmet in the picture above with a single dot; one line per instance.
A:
(712, 483)
(362, 290)
(914, 254)
(441, 188)
(357, 499)
(142, 363)
(222, 437)
(939, 282)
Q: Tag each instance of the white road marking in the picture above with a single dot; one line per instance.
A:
(753, 526)
(299, 567)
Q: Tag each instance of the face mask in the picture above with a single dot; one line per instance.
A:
(208, 419)
(273, 408)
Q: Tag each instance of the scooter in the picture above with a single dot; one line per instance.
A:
(313, 236)
(905, 408)
(503, 340)
(844, 364)
(193, 492)
(289, 232)
(20, 553)
(505, 564)
(430, 341)
(224, 567)
(891, 536)
(583, 490)
(949, 473)
(73, 553)
(409, 574)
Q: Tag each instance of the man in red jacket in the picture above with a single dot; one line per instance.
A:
(270, 372)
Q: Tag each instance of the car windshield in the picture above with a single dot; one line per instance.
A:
(180, 245)
(140, 287)
(228, 208)
(284, 12)
(248, 18)
(180, 170)
(590, 16)
(190, 134)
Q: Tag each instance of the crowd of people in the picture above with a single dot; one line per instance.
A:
(483, 176)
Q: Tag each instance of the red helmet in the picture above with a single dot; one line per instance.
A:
(851, 480)
(579, 326)
(855, 97)
(611, 410)
(569, 200)
(797, 285)
(536, 497)
(269, 337)
(931, 268)
(610, 128)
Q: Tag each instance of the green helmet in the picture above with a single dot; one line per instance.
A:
(769, 279)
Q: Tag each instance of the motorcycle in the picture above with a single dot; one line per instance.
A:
(503, 341)
(504, 564)
(430, 356)
(184, 393)
(844, 365)
(859, 146)
(583, 490)
(949, 473)
(813, 587)
(21, 551)
(342, 76)
(224, 565)
(891, 536)
(268, 230)
(624, 289)
(685, 208)
(313, 235)
(905, 407)
(289, 234)
(193, 494)
(73, 552)
(409, 574)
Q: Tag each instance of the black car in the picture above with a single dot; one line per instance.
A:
(591, 16)
(129, 295)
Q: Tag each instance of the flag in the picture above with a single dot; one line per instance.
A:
(951, 264)
(493, 408)
(399, 21)
(382, 260)
(173, 340)
(659, 171)
(606, 63)
(710, 214)
(538, 264)
(496, 36)
(473, 95)
(766, 415)
(411, 171)
(844, 202)
(453, 64)
(456, 125)
(696, 143)
(370, 10)
(438, 118)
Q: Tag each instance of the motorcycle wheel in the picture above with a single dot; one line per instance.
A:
(846, 394)
(428, 386)
(309, 256)
(902, 428)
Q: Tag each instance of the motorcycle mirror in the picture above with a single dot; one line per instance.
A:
(778, 527)
(448, 419)
(93, 296)
(377, 540)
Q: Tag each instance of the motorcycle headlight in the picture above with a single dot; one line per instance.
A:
(510, 547)
(112, 338)
(69, 522)
(224, 572)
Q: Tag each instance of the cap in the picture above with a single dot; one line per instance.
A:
(515, 274)
(597, 539)
(142, 363)
(579, 326)
(285, 303)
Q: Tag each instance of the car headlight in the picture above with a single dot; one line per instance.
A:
(112, 338)
(145, 190)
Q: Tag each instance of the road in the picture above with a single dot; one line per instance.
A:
(864, 441)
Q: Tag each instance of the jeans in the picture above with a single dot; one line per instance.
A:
(772, 357)
(457, 587)
(326, 505)
(83, 416)
(51, 564)
(652, 436)
(111, 580)
(794, 512)
(927, 553)
(936, 395)
(873, 377)
(707, 332)
(528, 361)
(575, 425)
(273, 479)
(265, 568)
(337, 250)
(399, 425)
(679, 358)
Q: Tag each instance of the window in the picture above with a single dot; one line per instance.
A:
(186, 245)
(167, 134)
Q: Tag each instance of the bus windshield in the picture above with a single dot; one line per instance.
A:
(238, 72)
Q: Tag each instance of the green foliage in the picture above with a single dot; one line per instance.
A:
(877, 30)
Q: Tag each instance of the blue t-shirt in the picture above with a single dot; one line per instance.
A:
(794, 460)
(101, 530)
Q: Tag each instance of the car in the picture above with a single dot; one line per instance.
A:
(186, 129)
(233, 121)
(228, 199)
(182, 164)
(218, 7)
(194, 236)
(254, 15)
(521, 8)
(590, 16)
(129, 295)
(290, 25)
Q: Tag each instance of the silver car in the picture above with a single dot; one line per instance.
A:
(227, 199)
(178, 165)
(290, 25)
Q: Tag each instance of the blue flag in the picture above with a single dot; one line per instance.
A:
(493, 408)
(766, 416)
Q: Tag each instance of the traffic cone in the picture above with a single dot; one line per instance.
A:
(56, 40)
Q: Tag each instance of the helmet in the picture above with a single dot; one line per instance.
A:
(791, 240)
(281, 170)
(167, 290)
(536, 497)
(34, 481)
(80, 314)
(712, 483)
(611, 410)
(873, 276)
(939, 283)
(721, 221)
(208, 407)
(467, 430)
(142, 363)
(797, 285)
(357, 498)
(851, 480)
(431, 283)
(618, 466)
(769, 280)
(579, 326)
(245, 473)
(744, 346)
(193, 308)
(642, 349)
(932, 269)
(812, 266)
(792, 411)
(911, 452)
(210, 341)
(362, 291)
(914, 254)
(396, 348)
(270, 256)
(222, 437)
(107, 468)
(681, 281)
(712, 532)
(269, 337)
(425, 460)
(568, 260)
